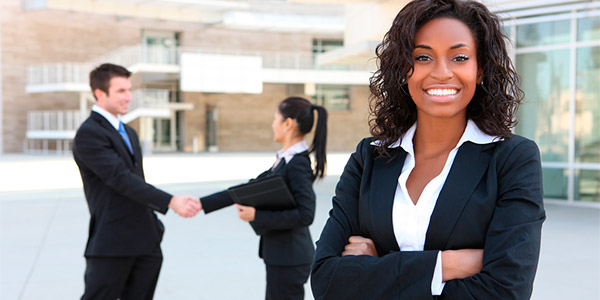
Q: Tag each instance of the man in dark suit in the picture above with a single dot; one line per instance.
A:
(123, 254)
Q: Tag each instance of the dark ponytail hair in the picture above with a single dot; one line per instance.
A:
(301, 111)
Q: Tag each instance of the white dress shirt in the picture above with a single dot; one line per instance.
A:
(411, 220)
(288, 154)
(114, 121)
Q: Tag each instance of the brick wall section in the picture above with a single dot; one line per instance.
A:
(245, 120)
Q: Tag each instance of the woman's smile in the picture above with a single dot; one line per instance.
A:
(441, 92)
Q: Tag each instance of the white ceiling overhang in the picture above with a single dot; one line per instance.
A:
(240, 14)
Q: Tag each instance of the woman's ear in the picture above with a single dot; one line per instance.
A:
(290, 125)
(479, 76)
(287, 124)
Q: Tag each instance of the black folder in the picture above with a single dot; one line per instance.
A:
(268, 193)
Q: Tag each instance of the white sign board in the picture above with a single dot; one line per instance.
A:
(219, 73)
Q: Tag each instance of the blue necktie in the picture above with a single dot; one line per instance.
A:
(125, 137)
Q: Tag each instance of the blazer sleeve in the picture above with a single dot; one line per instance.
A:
(299, 177)
(221, 199)
(394, 275)
(512, 245)
(216, 201)
(96, 151)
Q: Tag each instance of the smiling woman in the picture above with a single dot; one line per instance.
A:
(443, 201)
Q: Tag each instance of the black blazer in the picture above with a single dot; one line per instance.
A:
(285, 238)
(121, 203)
(491, 200)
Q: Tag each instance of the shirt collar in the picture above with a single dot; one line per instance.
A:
(108, 116)
(291, 151)
(472, 134)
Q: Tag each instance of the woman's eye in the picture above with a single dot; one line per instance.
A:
(422, 57)
(460, 58)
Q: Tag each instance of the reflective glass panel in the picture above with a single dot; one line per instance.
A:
(588, 29)
(587, 105)
(541, 34)
(555, 183)
(333, 97)
(506, 30)
(544, 116)
(587, 185)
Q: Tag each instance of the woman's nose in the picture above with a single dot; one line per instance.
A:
(442, 71)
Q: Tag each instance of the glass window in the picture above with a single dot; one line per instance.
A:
(544, 116)
(507, 30)
(588, 29)
(555, 182)
(587, 118)
(320, 46)
(332, 97)
(541, 34)
(159, 47)
(35, 4)
(587, 185)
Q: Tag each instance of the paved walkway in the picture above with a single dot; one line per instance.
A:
(44, 219)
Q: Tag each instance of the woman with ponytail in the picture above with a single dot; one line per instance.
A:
(286, 245)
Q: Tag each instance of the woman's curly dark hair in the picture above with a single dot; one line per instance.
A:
(494, 105)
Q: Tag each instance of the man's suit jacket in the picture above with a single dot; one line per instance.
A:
(285, 238)
(491, 200)
(121, 203)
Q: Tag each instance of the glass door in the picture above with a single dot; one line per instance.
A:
(163, 139)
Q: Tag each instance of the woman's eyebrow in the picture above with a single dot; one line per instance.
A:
(459, 46)
(453, 47)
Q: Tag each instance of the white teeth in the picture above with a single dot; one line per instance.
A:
(441, 92)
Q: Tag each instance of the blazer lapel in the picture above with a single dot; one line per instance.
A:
(115, 134)
(133, 140)
(383, 189)
(469, 166)
(279, 166)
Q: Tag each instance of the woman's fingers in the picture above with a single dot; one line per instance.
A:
(358, 245)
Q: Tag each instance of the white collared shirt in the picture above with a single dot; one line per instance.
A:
(411, 221)
(288, 154)
(114, 121)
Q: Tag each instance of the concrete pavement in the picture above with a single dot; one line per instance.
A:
(44, 219)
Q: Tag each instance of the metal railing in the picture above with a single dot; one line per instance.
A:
(58, 73)
(129, 56)
(69, 72)
(69, 120)
(149, 98)
(141, 54)
(54, 120)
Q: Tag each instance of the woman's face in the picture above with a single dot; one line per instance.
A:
(278, 127)
(445, 70)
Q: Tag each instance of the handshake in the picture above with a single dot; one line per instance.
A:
(185, 206)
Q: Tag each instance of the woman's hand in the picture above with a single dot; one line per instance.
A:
(246, 213)
(358, 245)
(458, 264)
